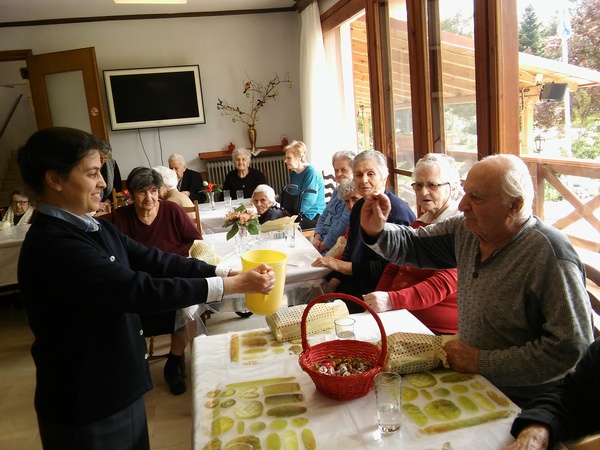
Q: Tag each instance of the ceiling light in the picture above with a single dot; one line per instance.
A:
(152, 2)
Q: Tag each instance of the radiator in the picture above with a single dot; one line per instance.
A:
(272, 166)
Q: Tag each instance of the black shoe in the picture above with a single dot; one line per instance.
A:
(176, 384)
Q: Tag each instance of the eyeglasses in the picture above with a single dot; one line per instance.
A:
(21, 202)
(428, 185)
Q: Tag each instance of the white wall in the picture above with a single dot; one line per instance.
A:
(225, 48)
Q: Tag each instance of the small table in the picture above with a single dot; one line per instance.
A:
(11, 239)
(336, 424)
(302, 282)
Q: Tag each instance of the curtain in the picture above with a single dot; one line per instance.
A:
(316, 93)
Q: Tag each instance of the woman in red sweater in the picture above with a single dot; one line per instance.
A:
(166, 226)
(429, 294)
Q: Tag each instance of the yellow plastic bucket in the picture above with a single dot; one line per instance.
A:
(260, 303)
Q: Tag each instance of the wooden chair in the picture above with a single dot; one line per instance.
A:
(153, 357)
(194, 209)
(587, 443)
(115, 199)
(329, 185)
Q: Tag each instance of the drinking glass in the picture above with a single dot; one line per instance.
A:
(227, 199)
(388, 396)
(290, 234)
(239, 195)
(344, 328)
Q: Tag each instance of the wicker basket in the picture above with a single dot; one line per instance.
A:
(348, 387)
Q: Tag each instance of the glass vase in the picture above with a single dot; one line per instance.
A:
(211, 200)
(241, 240)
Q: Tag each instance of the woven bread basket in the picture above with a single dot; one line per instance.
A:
(342, 387)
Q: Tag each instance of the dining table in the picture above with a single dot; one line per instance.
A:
(302, 281)
(212, 219)
(11, 239)
(248, 387)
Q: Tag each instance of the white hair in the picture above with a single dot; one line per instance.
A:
(169, 176)
(447, 168)
(376, 156)
(267, 190)
(515, 182)
(345, 187)
(241, 152)
(176, 157)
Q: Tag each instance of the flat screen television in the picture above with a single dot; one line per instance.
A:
(154, 97)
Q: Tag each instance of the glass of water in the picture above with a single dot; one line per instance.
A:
(388, 396)
(227, 199)
(239, 195)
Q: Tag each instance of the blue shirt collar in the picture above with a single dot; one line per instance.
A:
(88, 224)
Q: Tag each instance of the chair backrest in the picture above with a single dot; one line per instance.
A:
(115, 200)
(592, 275)
(194, 209)
(330, 184)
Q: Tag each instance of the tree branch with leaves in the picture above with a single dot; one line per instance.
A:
(258, 94)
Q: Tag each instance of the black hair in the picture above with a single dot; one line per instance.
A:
(58, 149)
(142, 178)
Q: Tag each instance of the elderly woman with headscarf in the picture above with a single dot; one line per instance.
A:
(263, 199)
(21, 211)
(310, 185)
(166, 226)
(335, 218)
(243, 177)
(360, 268)
(429, 294)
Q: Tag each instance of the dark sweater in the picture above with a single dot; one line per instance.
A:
(569, 410)
(247, 184)
(82, 292)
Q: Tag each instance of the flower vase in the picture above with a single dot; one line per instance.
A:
(252, 137)
(241, 240)
(211, 200)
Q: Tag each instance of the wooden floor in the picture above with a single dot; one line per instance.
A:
(169, 417)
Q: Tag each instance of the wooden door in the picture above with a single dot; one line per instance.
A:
(65, 89)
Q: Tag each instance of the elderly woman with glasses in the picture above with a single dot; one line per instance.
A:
(243, 177)
(360, 267)
(429, 294)
(21, 211)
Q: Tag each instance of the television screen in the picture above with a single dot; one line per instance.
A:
(154, 97)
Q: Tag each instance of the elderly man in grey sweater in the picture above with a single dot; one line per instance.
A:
(523, 311)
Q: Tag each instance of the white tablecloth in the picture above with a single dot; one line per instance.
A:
(212, 219)
(344, 425)
(11, 239)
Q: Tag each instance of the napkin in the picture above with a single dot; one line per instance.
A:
(414, 352)
(285, 323)
(277, 224)
(201, 250)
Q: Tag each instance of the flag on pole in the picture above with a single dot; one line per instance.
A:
(563, 29)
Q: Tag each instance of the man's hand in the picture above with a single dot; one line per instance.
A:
(532, 437)
(462, 357)
(259, 280)
(379, 300)
(374, 214)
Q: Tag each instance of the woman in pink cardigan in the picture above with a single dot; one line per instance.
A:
(428, 294)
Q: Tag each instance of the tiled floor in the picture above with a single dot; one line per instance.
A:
(169, 417)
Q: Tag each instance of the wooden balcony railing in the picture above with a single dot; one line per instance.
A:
(581, 225)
